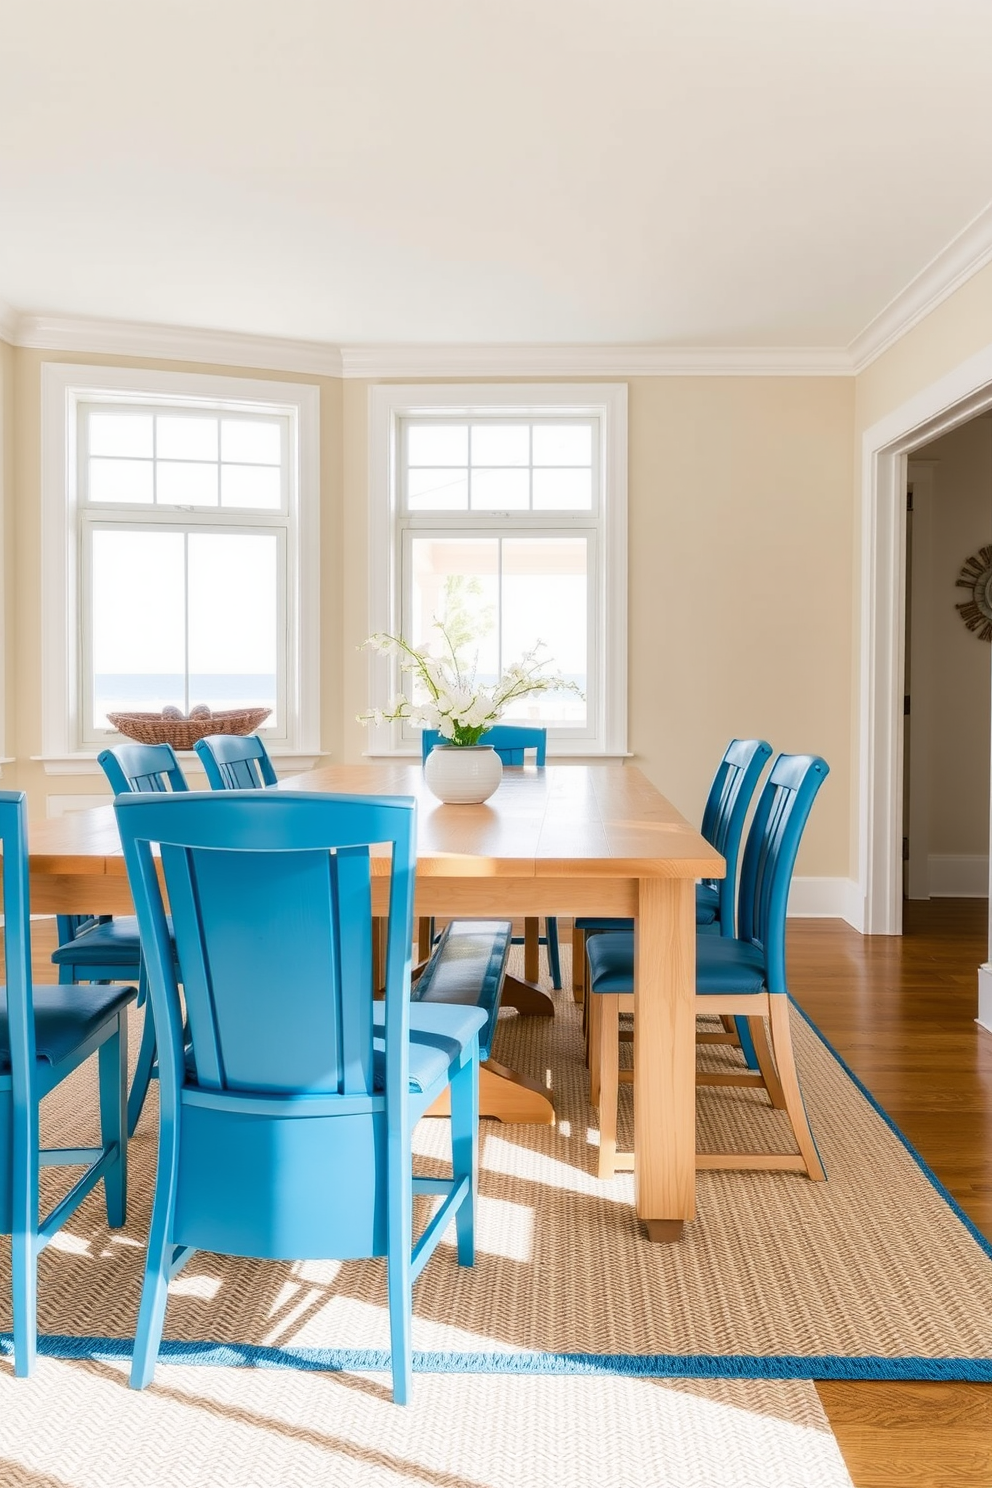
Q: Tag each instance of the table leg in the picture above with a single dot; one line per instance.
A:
(664, 1056)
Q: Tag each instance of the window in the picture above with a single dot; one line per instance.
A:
(500, 511)
(180, 525)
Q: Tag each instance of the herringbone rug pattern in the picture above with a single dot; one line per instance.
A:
(871, 1263)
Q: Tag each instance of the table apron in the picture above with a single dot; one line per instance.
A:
(108, 893)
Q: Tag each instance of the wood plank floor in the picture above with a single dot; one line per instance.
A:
(901, 1012)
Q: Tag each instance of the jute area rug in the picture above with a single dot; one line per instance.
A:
(574, 1351)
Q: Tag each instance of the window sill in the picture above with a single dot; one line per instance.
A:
(86, 764)
(572, 757)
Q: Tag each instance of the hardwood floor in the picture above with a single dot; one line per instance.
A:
(901, 1012)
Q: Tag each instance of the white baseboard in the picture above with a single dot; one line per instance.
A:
(984, 1018)
(827, 899)
(958, 875)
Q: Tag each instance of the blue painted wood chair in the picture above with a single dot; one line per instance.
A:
(45, 1034)
(735, 976)
(512, 744)
(724, 815)
(285, 1132)
(99, 948)
(235, 761)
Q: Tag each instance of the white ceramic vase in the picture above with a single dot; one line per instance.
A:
(463, 774)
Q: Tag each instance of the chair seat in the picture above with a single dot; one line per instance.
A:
(724, 965)
(64, 1017)
(115, 943)
(611, 961)
(439, 1032)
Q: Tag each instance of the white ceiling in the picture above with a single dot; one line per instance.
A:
(702, 173)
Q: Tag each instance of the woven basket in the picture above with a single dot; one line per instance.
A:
(182, 733)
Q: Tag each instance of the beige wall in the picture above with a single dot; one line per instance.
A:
(739, 596)
(6, 528)
(958, 697)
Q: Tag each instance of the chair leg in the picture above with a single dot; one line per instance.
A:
(742, 1027)
(532, 949)
(766, 1063)
(609, 1079)
(112, 1058)
(594, 1005)
(554, 959)
(155, 1286)
(24, 1236)
(465, 1152)
(578, 964)
(399, 1225)
(145, 1065)
(794, 1104)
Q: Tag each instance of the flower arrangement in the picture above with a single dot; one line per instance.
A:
(451, 700)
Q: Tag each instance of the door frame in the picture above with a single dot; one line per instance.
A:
(885, 449)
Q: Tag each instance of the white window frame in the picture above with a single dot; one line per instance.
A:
(64, 387)
(389, 405)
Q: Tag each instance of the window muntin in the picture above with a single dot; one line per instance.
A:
(185, 515)
(182, 457)
(570, 426)
(502, 570)
(498, 465)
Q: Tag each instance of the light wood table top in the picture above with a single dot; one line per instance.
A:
(569, 840)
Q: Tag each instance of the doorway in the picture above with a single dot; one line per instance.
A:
(954, 399)
(948, 667)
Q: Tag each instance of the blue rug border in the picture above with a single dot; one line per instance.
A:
(633, 1366)
(983, 1244)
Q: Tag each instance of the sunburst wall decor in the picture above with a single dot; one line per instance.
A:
(976, 575)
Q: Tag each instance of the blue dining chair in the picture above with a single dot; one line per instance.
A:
(512, 743)
(46, 1032)
(235, 761)
(734, 975)
(101, 948)
(724, 815)
(285, 1129)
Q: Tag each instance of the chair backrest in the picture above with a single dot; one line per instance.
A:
(508, 740)
(142, 767)
(726, 810)
(271, 901)
(770, 856)
(235, 761)
(18, 1109)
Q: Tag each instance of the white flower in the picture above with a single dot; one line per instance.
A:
(451, 700)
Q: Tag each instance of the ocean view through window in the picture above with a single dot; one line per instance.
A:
(189, 552)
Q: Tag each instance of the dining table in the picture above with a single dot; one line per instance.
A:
(567, 839)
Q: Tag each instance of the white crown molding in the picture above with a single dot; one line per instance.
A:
(963, 257)
(176, 343)
(8, 323)
(593, 361)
